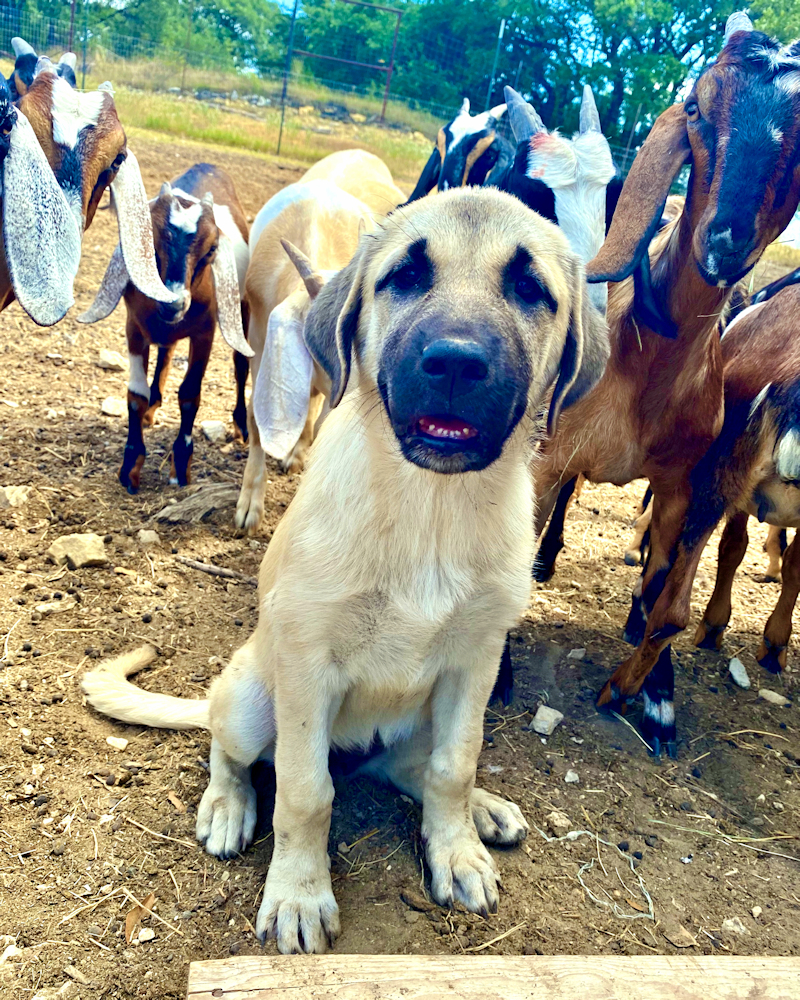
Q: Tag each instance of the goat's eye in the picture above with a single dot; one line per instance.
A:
(528, 289)
(119, 159)
(409, 276)
(692, 111)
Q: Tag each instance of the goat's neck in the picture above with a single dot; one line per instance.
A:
(692, 303)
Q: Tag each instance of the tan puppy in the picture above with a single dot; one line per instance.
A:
(389, 585)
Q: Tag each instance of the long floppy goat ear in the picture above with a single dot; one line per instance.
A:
(586, 350)
(136, 231)
(41, 237)
(111, 290)
(229, 303)
(332, 324)
(283, 385)
(429, 177)
(637, 215)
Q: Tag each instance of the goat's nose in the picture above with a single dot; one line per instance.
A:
(455, 366)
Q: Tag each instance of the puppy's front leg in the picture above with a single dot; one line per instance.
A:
(462, 869)
(298, 908)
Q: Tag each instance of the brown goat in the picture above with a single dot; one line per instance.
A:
(200, 235)
(86, 147)
(752, 469)
(659, 406)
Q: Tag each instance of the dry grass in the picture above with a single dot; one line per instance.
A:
(783, 254)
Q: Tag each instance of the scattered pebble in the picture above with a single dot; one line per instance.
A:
(14, 496)
(113, 406)
(117, 742)
(77, 975)
(78, 550)
(546, 720)
(571, 777)
(734, 925)
(111, 361)
(146, 934)
(147, 536)
(773, 697)
(756, 911)
(738, 673)
(214, 430)
(576, 654)
(558, 822)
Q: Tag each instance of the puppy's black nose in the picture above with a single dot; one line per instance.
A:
(455, 366)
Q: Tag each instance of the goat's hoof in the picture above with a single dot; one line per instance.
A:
(542, 572)
(771, 656)
(610, 698)
(632, 558)
(660, 733)
(181, 461)
(709, 636)
(131, 471)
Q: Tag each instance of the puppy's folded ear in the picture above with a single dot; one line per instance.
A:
(332, 324)
(586, 350)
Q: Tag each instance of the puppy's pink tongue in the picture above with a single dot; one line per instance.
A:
(447, 427)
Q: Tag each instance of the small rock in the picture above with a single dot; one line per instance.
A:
(734, 925)
(77, 975)
(650, 841)
(214, 430)
(756, 911)
(738, 673)
(546, 720)
(117, 742)
(14, 496)
(147, 536)
(146, 934)
(113, 406)
(94, 930)
(343, 848)
(576, 654)
(778, 806)
(411, 917)
(773, 697)
(111, 361)
(78, 551)
(54, 607)
(678, 936)
(558, 822)
(571, 777)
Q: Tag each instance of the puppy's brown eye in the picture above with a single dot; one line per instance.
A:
(692, 111)
(409, 276)
(528, 289)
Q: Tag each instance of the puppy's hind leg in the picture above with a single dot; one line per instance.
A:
(243, 729)
(498, 821)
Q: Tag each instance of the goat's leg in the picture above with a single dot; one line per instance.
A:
(634, 554)
(138, 400)
(775, 546)
(552, 543)
(772, 651)
(160, 374)
(189, 401)
(250, 505)
(658, 718)
(241, 367)
(668, 514)
(732, 549)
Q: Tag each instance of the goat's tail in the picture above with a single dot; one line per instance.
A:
(108, 690)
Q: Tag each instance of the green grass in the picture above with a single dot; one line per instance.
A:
(187, 118)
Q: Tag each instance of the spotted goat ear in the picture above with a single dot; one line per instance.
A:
(41, 237)
(111, 290)
(229, 303)
(136, 231)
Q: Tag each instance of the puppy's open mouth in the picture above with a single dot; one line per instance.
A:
(438, 429)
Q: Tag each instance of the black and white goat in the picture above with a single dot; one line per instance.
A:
(469, 151)
(25, 63)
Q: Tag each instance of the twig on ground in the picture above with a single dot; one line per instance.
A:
(229, 574)
(161, 836)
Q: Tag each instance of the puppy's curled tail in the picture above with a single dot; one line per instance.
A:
(108, 690)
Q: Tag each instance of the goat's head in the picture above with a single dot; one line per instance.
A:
(25, 62)
(468, 147)
(740, 130)
(196, 262)
(86, 147)
(565, 180)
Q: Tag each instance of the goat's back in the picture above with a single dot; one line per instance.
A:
(361, 174)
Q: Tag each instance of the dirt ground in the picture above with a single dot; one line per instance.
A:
(87, 830)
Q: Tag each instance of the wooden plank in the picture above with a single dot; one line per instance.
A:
(494, 977)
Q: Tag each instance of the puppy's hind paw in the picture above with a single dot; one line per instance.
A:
(226, 818)
(301, 921)
(497, 820)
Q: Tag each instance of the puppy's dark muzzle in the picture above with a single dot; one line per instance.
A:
(453, 397)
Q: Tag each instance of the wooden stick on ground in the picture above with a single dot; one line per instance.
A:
(229, 574)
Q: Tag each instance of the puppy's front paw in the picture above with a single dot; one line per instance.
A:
(302, 915)
(462, 871)
(226, 817)
(497, 820)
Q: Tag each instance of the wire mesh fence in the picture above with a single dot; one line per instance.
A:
(349, 59)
